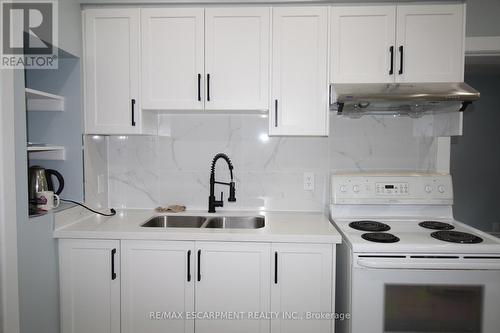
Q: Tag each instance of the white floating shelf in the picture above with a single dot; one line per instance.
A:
(47, 152)
(37, 100)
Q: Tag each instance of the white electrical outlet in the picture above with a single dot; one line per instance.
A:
(308, 181)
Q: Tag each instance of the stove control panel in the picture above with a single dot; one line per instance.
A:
(392, 188)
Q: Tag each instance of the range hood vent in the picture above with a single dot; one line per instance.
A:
(401, 99)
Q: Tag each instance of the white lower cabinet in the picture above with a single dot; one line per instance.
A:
(302, 287)
(232, 277)
(187, 286)
(157, 277)
(89, 285)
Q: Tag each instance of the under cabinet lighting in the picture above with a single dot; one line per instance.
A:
(264, 137)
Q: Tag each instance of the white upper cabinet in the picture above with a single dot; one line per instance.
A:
(237, 58)
(111, 60)
(157, 276)
(430, 40)
(214, 58)
(397, 43)
(362, 45)
(302, 283)
(232, 277)
(89, 277)
(172, 58)
(299, 98)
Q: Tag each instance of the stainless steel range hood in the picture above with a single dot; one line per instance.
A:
(406, 99)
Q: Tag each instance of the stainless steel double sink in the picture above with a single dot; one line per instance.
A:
(217, 222)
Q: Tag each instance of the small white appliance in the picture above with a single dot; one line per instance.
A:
(405, 264)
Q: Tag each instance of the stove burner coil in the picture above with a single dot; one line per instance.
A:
(372, 226)
(457, 237)
(380, 237)
(435, 225)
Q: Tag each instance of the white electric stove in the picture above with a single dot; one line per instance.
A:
(405, 264)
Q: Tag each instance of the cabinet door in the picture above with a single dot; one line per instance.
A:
(172, 58)
(362, 47)
(430, 40)
(299, 88)
(237, 58)
(89, 287)
(112, 71)
(157, 277)
(302, 283)
(232, 277)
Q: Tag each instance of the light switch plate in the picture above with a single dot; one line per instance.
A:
(308, 181)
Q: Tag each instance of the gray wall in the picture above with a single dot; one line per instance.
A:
(38, 292)
(38, 275)
(475, 158)
(61, 128)
(37, 250)
(483, 18)
(10, 208)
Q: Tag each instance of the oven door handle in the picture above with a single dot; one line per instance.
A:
(440, 264)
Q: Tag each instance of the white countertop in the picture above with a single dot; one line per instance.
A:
(297, 227)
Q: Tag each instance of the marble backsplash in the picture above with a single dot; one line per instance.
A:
(173, 167)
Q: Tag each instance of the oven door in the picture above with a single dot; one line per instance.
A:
(395, 295)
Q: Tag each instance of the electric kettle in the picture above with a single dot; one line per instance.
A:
(40, 179)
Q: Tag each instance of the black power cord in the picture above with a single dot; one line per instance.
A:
(113, 212)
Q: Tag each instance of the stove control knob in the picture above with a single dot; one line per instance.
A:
(428, 188)
(343, 188)
(355, 188)
(441, 188)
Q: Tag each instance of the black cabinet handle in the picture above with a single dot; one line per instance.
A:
(391, 50)
(276, 267)
(199, 87)
(208, 87)
(189, 266)
(401, 59)
(199, 265)
(275, 113)
(113, 274)
(133, 112)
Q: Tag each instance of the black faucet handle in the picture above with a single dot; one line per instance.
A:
(221, 197)
(232, 192)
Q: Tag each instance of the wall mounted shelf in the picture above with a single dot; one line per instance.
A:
(47, 152)
(37, 100)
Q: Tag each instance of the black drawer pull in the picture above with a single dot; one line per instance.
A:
(199, 87)
(189, 266)
(275, 113)
(391, 50)
(401, 51)
(208, 87)
(133, 112)
(199, 265)
(276, 267)
(113, 274)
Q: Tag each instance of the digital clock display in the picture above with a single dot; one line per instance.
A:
(389, 187)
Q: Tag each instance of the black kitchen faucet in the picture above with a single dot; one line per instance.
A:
(212, 203)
